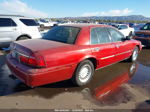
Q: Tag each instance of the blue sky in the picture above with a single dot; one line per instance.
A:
(65, 8)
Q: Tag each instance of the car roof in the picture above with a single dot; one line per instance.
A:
(86, 25)
(14, 16)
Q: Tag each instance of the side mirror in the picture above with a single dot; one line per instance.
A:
(126, 38)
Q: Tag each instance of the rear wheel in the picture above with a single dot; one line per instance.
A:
(83, 73)
(134, 55)
(23, 38)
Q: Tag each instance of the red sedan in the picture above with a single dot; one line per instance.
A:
(70, 52)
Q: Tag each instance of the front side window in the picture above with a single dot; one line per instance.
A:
(7, 22)
(146, 27)
(116, 35)
(99, 35)
(29, 22)
(64, 34)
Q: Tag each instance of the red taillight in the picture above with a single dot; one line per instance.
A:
(34, 60)
(23, 59)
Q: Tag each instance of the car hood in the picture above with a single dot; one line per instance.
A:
(41, 44)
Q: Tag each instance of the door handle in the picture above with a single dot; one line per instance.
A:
(117, 46)
(97, 49)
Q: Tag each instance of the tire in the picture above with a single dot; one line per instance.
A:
(134, 55)
(83, 73)
(23, 38)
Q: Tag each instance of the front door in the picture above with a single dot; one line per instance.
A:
(123, 47)
(102, 47)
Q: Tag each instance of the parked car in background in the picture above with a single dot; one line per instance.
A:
(72, 51)
(143, 35)
(46, 23)
(14, 28)
(137, 27)
(125, 29)
(131, 25)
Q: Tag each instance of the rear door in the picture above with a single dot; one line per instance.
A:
(30, 27)
(7, 29)
(123, 47)
(102, 47)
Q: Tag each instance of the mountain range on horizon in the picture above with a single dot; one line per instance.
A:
(114, 18)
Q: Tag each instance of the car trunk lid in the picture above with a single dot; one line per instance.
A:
(35, 45)
(31, 52)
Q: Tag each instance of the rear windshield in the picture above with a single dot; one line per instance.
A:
(146, 27)
(64, 34)
(29, 22)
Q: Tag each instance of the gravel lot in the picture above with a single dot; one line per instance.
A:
(135, 94)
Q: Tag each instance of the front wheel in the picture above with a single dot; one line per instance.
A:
(134, 55)
(83, 73)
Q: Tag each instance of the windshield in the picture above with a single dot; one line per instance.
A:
(146, 27)
(122, 27)
(64, 34)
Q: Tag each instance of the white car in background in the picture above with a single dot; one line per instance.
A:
(14, 28)
(46, 23)
(125, 29)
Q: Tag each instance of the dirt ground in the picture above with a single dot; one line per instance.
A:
(132, 90)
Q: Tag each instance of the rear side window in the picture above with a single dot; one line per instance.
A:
(29, 22)
(99, 35)
(7, 22)
(116, 35)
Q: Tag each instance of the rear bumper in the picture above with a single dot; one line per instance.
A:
(38, 77)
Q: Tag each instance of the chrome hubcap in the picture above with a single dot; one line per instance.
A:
(85, 73)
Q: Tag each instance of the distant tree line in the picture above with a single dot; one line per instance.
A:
(100, 21)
